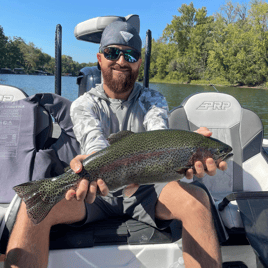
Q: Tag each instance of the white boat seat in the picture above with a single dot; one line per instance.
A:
(11, 93)
(242, 130)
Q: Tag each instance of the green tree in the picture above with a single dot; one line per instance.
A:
(14, 57)
(161, 54)
(258, 18)
(190, 32)
(3, 48)
(239, 53)
(179, 30)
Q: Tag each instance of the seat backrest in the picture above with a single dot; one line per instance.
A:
(25, 127)
(88, 78)
(11, 93)
(238, 127)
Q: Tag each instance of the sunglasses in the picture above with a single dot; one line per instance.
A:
(114, 53)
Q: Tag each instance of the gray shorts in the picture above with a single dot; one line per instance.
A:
(140, 206)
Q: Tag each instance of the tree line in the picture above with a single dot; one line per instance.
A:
(15, 53)
(229, 47)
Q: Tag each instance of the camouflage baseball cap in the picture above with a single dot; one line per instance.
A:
(121, 33)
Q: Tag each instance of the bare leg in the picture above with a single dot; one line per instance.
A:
(190, 204)
(28, 245)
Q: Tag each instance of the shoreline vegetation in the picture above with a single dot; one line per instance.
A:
(228, 48)
(211, 83)
(17, 57)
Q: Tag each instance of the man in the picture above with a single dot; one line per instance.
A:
(119, 104)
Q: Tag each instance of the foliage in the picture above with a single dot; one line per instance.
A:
(15, 53)
(3, 47)
(229, 47)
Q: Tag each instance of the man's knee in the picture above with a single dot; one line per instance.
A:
(198, 201)
(179, 200)
(198, 197)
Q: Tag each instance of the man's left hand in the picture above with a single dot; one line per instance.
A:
(210, 163)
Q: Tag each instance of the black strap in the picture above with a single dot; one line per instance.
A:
(242, 196)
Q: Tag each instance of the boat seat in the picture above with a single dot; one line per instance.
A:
(11, 93)
(88, 78)
(240, 192)
(242, 130)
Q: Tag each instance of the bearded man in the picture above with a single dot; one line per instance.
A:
(119, 103)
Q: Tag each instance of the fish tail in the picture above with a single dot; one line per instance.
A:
(36, 204)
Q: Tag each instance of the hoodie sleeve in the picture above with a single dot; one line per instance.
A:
(155, 107)
(87, 125)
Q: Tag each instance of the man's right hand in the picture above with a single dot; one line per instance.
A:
(85, 191)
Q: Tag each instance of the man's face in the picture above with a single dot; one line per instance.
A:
(119, 75)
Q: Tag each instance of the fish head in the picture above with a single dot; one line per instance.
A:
(207, 147)
(218, 150)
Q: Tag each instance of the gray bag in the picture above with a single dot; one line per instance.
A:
(25, 140)
(28, 151)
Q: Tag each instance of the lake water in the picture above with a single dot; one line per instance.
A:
(253, 99)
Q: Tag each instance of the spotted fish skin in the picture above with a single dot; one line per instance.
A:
(143, 158)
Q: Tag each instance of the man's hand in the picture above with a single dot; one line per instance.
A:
(210, 163)
(85, 191)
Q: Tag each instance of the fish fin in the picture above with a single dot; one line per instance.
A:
(26, 190)
(37, 208)
(115, 137)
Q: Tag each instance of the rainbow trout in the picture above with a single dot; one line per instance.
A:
(143, 158)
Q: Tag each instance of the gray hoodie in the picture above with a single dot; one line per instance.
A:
(95, 116)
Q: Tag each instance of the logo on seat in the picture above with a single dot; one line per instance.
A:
(6, 97)
(214, 105)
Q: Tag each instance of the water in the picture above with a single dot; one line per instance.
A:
(33, 84)
(253, 99)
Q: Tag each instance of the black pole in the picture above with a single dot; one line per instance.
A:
(147, 58)
(58, 42)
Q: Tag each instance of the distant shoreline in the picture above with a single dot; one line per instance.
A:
(173, 82)
(206, 83)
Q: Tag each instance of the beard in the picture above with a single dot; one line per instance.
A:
(124, 81)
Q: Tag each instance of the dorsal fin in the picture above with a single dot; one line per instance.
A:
(115, 137)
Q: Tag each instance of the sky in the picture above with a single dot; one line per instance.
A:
(35, 21)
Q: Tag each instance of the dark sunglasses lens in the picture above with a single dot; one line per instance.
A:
(111, 53)
(131, 56)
